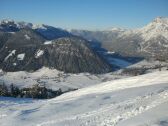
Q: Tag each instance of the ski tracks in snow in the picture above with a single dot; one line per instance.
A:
(111, 115)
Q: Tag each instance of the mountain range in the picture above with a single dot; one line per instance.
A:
(148, 41)
(26, 46)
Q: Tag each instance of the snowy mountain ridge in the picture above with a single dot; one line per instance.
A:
(148, 41)
(22, 24)
(158, 27)
(48, 32)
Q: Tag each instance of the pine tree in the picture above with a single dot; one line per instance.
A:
(14, 91)
(3, 90)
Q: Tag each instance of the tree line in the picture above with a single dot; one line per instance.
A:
(36, 91)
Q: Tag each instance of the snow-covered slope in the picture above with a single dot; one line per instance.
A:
(135, 101)
(158, 27)
(55, 79)
(151, 40)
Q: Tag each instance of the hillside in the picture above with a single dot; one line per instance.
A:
(29, 47)
(84, 63)
(27, 50)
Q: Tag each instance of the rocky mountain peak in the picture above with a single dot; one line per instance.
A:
(161, 20)
(7, 21)
(158, 27)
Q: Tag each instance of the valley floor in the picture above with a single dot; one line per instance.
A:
(133, 101)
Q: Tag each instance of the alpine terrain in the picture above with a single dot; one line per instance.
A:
(55, 77)
(148, 41)
(30, 48)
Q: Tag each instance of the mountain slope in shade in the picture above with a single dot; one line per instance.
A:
(51, 33)
(3, 38)
(29, 47)
(27, 50)
(75, 55)
(23, 43)
(24, 37)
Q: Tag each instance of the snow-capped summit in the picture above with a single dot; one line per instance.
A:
(39, 26)
(116, 29)
(6, 21)
(22, 24)
(149, 40)
(8, 25)
(158, 27)
(161, 20)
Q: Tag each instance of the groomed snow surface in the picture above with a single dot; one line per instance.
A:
(133, 101)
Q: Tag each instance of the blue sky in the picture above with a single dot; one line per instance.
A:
(85, 14)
